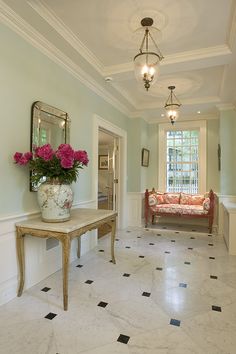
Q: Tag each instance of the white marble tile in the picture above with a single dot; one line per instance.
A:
(89, 328)
(167, 340)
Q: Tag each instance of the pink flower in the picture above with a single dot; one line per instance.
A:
(45, 152)
(67, 162)
(28, 155)
(17, 156)
(65, 151)
(22, 159)
(81, 156)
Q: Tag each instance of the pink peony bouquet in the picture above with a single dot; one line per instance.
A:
(61, 165)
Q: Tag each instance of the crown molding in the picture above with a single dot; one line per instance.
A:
(59, 26)
(225, 106)
(192, 55)
(26, 31)
(185, 118)
(124, 93)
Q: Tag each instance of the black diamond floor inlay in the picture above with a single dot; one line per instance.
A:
(45, 289)
(172, 240)
(102, 304)
(175, 322)
(50, 315)
(182, 285)
(138, 236)
(117, 239)
(141, 256)
(213, 277)
(79, 266)
(190, 248)
(159, 268)
(146, 294)
(89, 281)
(158, 234)
(187, 263)
(128, 231)
(151, 244)
(126, 275)
(123, 338)
(127, 246)
(216, 308)
(177, 232)
(101, 250)
(192, 238)
(211, 257)
(210, 244)
(168, 252)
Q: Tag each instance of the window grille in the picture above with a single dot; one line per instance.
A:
(182, 161)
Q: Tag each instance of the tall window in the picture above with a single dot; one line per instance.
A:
(182, 161)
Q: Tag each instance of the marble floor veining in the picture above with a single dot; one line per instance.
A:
(172, 291)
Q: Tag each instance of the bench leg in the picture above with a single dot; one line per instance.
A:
(210, 223)
(153, 219)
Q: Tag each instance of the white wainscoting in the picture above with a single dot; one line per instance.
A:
(135, 202)
(39, 262)
(223, 199)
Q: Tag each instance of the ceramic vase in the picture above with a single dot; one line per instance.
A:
(55, 201)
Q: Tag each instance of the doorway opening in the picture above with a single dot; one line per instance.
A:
(108, 171)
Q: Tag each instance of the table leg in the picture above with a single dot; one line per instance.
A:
(79, 247)
(21, 260)
(113, 234)
(66, 243)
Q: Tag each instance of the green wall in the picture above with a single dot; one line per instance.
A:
(228, 152)
(138, 138)
(213, 174)
(27, 76)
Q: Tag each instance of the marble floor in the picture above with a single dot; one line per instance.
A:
(173, 290)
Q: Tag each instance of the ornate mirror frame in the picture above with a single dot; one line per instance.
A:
(49, 125)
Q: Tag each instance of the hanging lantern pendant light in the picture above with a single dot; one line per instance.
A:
(147, 62)
(172, 105)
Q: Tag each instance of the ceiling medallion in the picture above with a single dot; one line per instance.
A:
(172, 106)
(147, 61)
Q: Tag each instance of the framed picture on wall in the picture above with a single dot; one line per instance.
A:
(145, 157)
(103, 162)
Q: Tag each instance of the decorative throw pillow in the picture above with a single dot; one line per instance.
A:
(152, 200)
(197, 199)
(160, 198)
(171, 198)
(185, 198)
(206, 204)
(191, 199)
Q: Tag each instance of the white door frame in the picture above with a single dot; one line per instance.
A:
(100, 123)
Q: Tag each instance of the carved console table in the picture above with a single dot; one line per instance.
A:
(82, 220)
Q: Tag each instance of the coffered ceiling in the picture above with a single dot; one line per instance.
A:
(96, 41)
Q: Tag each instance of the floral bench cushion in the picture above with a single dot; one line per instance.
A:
(179, 209)
(179, 203)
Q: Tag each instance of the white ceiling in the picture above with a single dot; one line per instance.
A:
(95, 39)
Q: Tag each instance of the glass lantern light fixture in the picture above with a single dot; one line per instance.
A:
(146, 62)
(172, 106)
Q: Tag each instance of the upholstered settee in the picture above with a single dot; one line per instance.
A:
(179, 204)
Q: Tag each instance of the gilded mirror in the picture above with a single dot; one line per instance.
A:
(49, 125)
